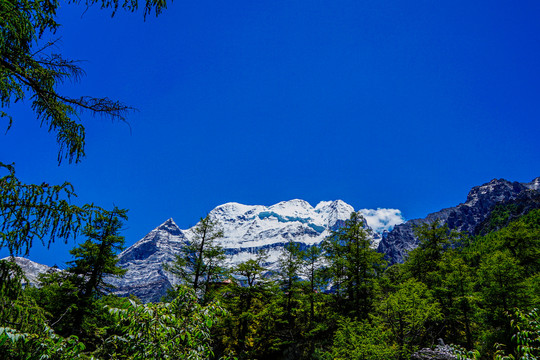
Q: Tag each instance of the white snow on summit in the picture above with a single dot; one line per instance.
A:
(246, 229)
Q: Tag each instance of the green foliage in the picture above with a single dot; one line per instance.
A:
(176, 330)
(42, 345)
(17, 310)
(526, 326)
(408, 314)
(522, 239)
(458, 299)
(353, 266)
(462, 353)
(244, 302)
(70, 297)
(58, 295)
(289, 264)
(360, 340)
(96, 257)
(42, 212)
(434, 240)
(24, 333)
(503, 214)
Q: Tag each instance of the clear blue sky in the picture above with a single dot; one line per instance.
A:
(386, 104)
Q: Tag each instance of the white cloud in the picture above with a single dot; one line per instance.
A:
(382, 219)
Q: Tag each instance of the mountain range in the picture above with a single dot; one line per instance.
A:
(248, 228)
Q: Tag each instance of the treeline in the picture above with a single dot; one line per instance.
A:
(339, 300)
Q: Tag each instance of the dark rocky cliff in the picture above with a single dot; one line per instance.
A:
(465, 217)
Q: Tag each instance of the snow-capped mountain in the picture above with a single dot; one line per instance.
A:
(246, 229)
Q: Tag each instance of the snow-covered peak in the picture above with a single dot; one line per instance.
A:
(334, 212)
(234, 210)
(169, 226)
(166, 238)
(323, 204)
(246, 229)
(295, 207)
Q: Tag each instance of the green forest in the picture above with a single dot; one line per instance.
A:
(340, 300)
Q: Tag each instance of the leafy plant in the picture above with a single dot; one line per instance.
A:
(179, 329)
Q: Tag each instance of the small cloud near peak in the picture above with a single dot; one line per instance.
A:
(382, 219)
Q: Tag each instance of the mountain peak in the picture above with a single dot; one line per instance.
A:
(169, 226)
(294, 203)
(31, 269)
(463, 217)
(534, 184)
(496, 190)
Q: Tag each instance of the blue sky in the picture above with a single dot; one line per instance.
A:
(386, 104)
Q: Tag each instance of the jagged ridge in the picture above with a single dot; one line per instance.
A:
(464, 217)
(246, 230)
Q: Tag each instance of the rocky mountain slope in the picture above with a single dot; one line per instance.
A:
(463, 217)
(31, 269)
(246, 228)
(249, 228)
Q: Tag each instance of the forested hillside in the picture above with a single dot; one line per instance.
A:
(336, 301)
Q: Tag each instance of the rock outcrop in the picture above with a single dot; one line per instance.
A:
(464, 217)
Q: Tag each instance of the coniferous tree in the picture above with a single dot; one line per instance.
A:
(434, 239)
(311, 264)
(201, 262)
(246, 294)
(408, 314)
(289, 265)
(96, 257)
(70, 295)
(354, 266)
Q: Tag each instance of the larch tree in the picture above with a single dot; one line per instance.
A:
(31, 71)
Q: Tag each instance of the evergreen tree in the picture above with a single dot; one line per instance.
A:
(96, 257)
(502, 286)
(201, 262)
(353, 266)
(70, 296)
(434, 239)
(245, 296)
(289, 265)
(408, 314)
(458, 301)
(311, 263)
